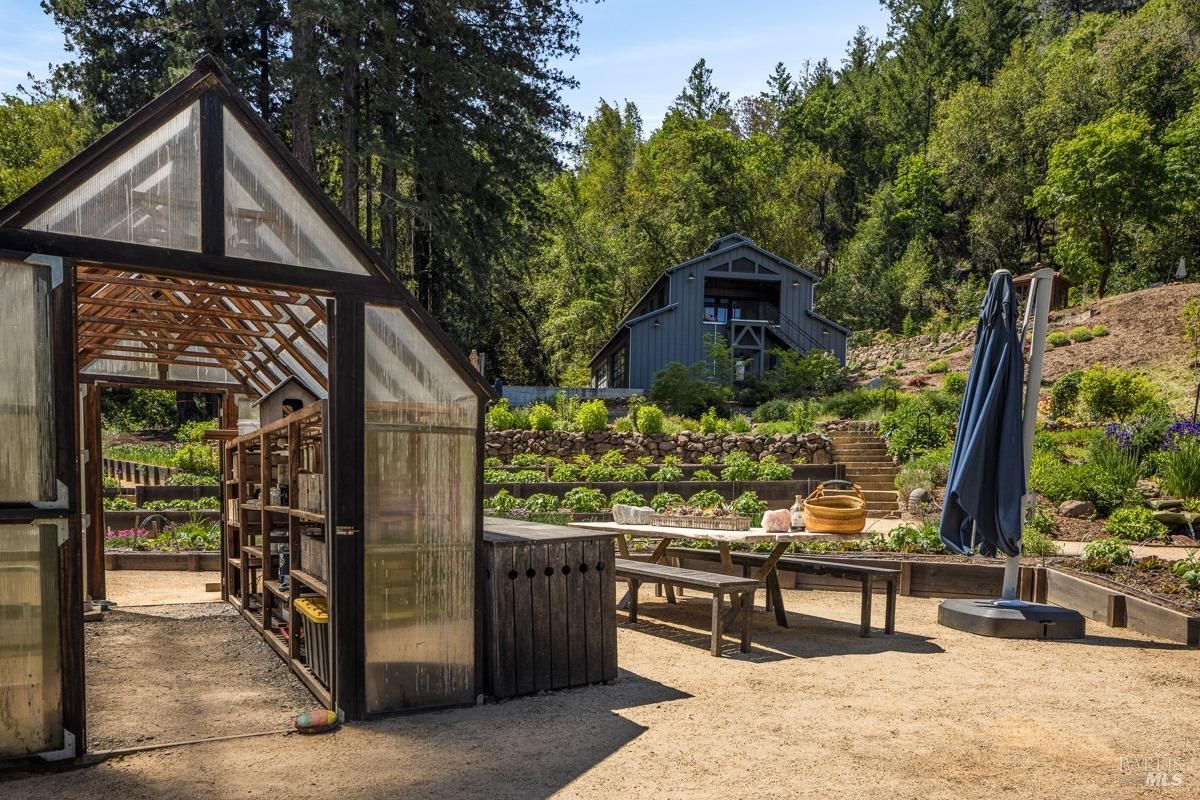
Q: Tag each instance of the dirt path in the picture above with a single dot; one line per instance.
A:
(814, 711)
(130, 588)
(176, 672)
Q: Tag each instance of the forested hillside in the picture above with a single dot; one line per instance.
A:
(970, 135)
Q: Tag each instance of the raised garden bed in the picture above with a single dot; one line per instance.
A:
(192, 561)
(137, 518)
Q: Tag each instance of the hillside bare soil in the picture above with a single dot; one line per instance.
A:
(1144, 333)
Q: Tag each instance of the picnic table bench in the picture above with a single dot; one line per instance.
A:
(740, 590)
(865, 574)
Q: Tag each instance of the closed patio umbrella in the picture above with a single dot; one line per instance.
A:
(986, 483)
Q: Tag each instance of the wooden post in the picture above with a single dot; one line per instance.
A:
(93, 500)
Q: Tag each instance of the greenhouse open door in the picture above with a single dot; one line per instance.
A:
(420, 519)
(41, 634)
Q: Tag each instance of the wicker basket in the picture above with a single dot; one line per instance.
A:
(710, 523)
(835, 514)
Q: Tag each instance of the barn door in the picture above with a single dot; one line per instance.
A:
(37, 675)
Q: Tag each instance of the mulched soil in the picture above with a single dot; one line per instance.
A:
(1149, 578)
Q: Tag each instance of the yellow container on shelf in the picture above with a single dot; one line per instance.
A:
(314, 613)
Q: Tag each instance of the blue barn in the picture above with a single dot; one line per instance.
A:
(755, 300)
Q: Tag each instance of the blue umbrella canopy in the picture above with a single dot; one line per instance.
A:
(986, 482)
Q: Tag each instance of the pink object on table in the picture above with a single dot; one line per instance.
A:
(777, 521)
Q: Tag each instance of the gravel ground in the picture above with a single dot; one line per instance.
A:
(137, 587)
(814, 711)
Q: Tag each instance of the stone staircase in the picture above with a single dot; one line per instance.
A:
(869, 465)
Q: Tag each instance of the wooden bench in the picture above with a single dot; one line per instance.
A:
(740, 590)
(866, 575)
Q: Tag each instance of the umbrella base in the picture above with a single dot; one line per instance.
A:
(1029, 621)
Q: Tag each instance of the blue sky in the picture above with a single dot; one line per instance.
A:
(639, 50)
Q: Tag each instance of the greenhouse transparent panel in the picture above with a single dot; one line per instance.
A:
(27, 469)
(150, 194)
(420, 520)
(30, 657)
(269, 218)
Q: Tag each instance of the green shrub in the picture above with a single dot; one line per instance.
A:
(707, 498)
(795, 374)
(1112, 393)
(666, 500)
(1081, 333)
(565, 473)
(118, 504)
(584, 500)
(624, 425)
(853, 404)
(542, 417)
(1057, 339)
(773, 411)
(612, 458)
(685, 390)
(197, 458)
(920, 422)
(109, 482)
(592, 416)
(803, 415)
(651, 420)
(1179, 469)
(937, 367)
(1188, 569)
(1057, 481)
(1036, 543)
(1064, 395)
(749, 504)
(955, 383)
(495, 476)
(738, 423)
(907, 538)
(626, 497)
(739, 467)
(1104, 554)
(502, 502)
(597, 472)
(769, 469)
(1134, 524)
(708, 459)
(703, 475)
(630, 473)
(541, 503)
(527, 460)
(711, 423)
(1120, 464)
(527, 476)
(668, 472)
(192, 479)
(926, 471)
(492, 462)
(194, 431)
(140, 409)
(500, 416)
(1099, 330)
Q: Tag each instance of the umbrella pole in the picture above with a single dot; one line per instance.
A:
(1039, 297)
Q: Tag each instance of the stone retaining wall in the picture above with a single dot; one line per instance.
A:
(803, 448)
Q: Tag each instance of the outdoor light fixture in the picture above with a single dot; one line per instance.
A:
(657, 323)
(692, 276)
(795, 284)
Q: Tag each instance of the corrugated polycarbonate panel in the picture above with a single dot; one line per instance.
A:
(30, 658)
(150, 194)
(419, 528)
(26, 386)
(268, 218)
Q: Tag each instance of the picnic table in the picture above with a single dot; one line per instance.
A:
(766, 574)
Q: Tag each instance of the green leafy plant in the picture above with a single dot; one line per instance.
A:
(711, 423)
(1188, 569)
(1057, 339)
(906, 538)
(1102, 555)
(527, 476)
(708, 459)
(707, 498)
(738, 423)
(853, 404)
(630, 473)
(703, 475)
(193, 431)
(592, 416)
(542, 417)
(739, 467)
(954, 383)
(156, 455)
(770, 469)
(597, 472)
(686, 390)
(584, 500)
(1179, 469)
(1113, 393)
(191, 479)
(1099, 330)
(1059, 481)
(500, 417)
(802, 415)
(1119, 463)
(492, 462)
(1064, 395)
(627, 497)
(778, 410)
(1080, 333)
(651, 420)
(749, 504)
(527, 460)
(1035, 537)
(1134, 524)
(624, 425)
(541, 503)
(796, 373)
(927, 471)
(668, 472)
(502, 502)
(495, 476)
(920, 422)
(118, 504)
(937, 367)
(666, 500)
(612, 458)
(198, 458)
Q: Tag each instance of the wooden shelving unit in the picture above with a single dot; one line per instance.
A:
(274, 501)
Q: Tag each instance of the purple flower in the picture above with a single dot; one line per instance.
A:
(1120, 434)
(1179, 431)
